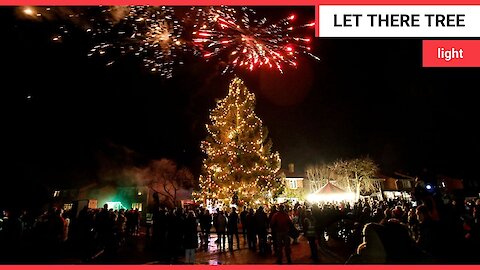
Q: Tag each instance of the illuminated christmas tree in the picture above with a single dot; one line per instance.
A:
(240, 167)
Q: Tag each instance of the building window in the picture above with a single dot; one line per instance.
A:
(56, 193)
(67, 206)
(399, 184)
(293, 183)
(407, 184)
(403, 184)
(137, 206)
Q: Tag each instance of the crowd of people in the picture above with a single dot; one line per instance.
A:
(255, 230)
(49, 235)
(373, 231)
(438, 230)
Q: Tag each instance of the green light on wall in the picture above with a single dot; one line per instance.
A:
(115, 205)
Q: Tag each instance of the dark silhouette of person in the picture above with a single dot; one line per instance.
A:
(232, 224)
(310, 233)
(205, 226)
(251, 232)
(281, 224)
(190, 237)
(243, 221)
(261, 229)
(221, 228)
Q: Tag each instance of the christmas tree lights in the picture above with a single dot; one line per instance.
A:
(240, 167)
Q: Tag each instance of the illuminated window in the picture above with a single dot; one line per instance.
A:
(293, 183)
(407, 184)
(137, 206)
(56, 193)
(67, 206)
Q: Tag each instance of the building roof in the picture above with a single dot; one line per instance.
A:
(329, 188)
(289, 174)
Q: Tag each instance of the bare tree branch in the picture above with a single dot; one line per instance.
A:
(356, 175)
(166, 179)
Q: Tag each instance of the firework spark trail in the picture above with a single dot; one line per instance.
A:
(156, 35)
(247, 42)
(152, 33)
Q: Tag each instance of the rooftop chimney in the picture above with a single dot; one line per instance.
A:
(291, 168)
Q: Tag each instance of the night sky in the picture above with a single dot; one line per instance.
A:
(65, 115)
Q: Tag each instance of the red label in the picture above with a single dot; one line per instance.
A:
(451, 53)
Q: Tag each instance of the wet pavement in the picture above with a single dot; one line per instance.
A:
(300, 255)
(139, 249)
(135, 251)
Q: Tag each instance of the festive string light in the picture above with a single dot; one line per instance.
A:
(239, 159)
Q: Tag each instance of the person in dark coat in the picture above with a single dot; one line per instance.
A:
(174, 234)
(261, 227)
(251, 233)
(273, 211)
(220, 223)
(190, 237)
(104, 226)
(310, 233)
(281, 224)
(429, 235)
(206, 226)
(372, 250)
(232, 224)
(243, 221)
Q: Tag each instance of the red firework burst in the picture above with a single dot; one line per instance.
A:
(250, 43)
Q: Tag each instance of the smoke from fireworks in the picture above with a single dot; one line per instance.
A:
(246, 42)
